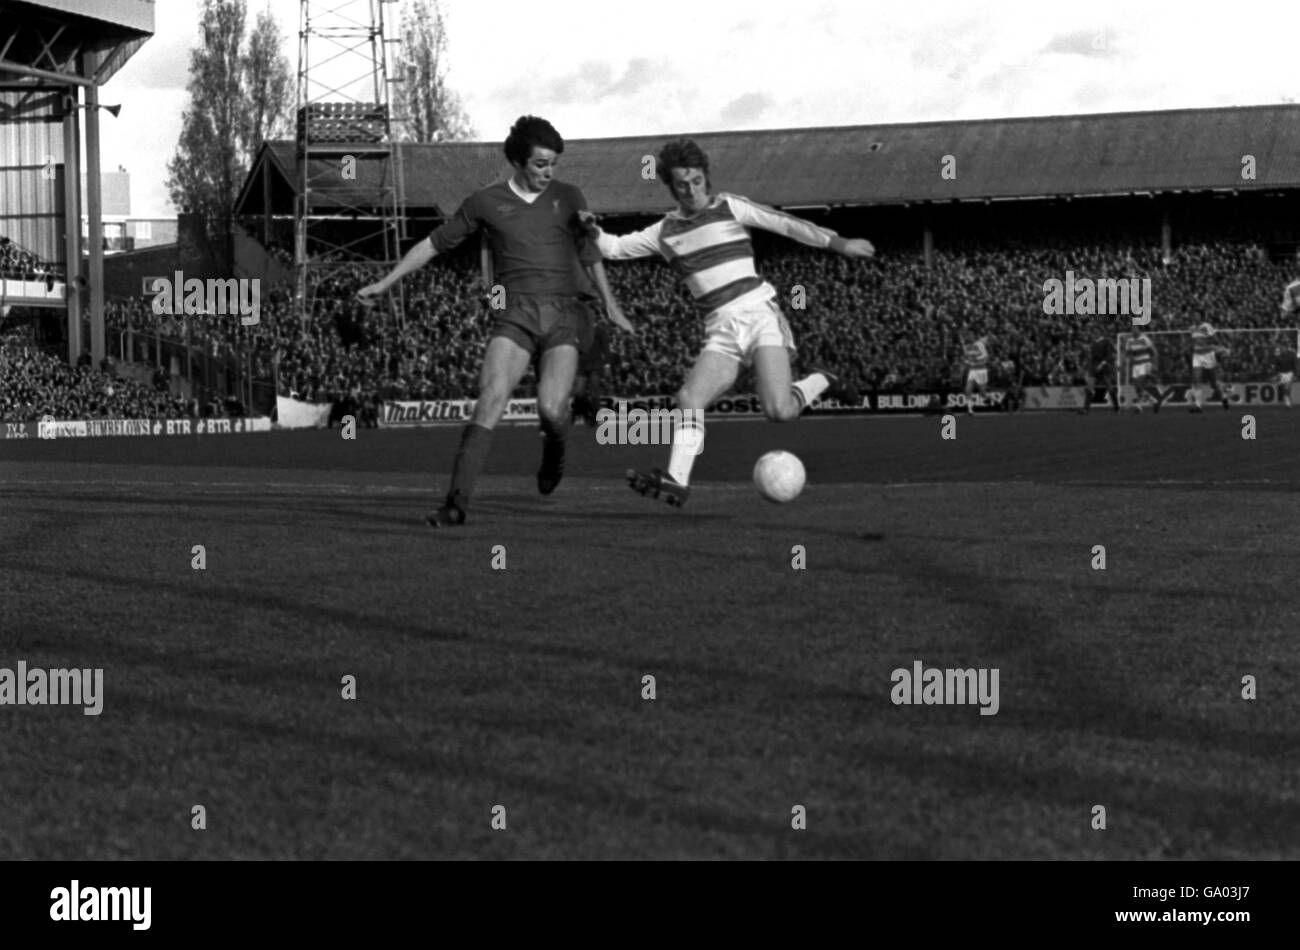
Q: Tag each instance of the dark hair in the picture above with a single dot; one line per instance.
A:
(682, 153)
(530, 132)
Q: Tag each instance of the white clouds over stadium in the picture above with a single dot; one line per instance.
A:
(598, 68)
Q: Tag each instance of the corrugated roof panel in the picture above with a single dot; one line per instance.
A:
(1118, 153)
(132, 14)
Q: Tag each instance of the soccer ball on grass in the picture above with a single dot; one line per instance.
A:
(779, 476)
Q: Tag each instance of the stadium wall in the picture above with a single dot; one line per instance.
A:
(294, 414)
(50, 428)
(254, 261)
(31, 164)
(124, 272)
(433, 412)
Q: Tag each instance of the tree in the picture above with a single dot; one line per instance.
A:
(433, 110)
(268, 83)
(239, 95)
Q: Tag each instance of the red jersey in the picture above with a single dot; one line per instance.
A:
(535, 246)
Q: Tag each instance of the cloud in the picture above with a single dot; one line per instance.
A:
(586, 83)
(640, 73)
(1091, 44)
(1093, 97)
(163, 62)
(1004, 81)
(594, 81)
(745, 109)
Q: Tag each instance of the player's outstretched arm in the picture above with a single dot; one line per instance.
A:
(415, 258)
(596, 271)
(752, 214)
(644, 243)
(852, 247)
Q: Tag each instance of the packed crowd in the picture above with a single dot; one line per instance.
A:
(893, 323)
(34, 384)
(344, 347)
(17, 264)
(900, 325)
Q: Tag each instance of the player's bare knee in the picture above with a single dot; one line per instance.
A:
(687, 401)
(489, 406)
(552, 410)
(783, 411)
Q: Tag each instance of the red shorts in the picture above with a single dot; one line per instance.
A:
(541, 323)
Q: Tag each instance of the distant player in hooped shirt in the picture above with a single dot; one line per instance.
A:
(1284, 361)
(537, 244)
(976, 356)
(707, 243)
(1141, 355)
(1206, 351)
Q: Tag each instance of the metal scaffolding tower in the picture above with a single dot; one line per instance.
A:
(348, 207)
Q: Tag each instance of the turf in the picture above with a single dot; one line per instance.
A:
(522, 687)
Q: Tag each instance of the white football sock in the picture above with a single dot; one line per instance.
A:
(688, 441)
(811, 387)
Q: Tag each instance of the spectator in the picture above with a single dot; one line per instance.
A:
(895, 319)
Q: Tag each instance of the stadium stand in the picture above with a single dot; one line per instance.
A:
(34, 384)
(18, 264)
(896, 323)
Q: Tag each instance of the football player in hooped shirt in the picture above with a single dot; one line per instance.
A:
(706, 242)
(1205, 365)
(1284, 362)
(537, 243)
(1142, 360)
(976, 356)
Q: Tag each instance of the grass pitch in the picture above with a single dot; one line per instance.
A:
(522, 687)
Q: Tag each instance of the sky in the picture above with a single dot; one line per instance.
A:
(621, 67)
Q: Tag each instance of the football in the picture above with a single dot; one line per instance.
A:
(779, 476)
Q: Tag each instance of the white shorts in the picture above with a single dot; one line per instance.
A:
(978, 377)
(1141, 369)
(1286, 377)
(1204, 361)
(738, 331)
